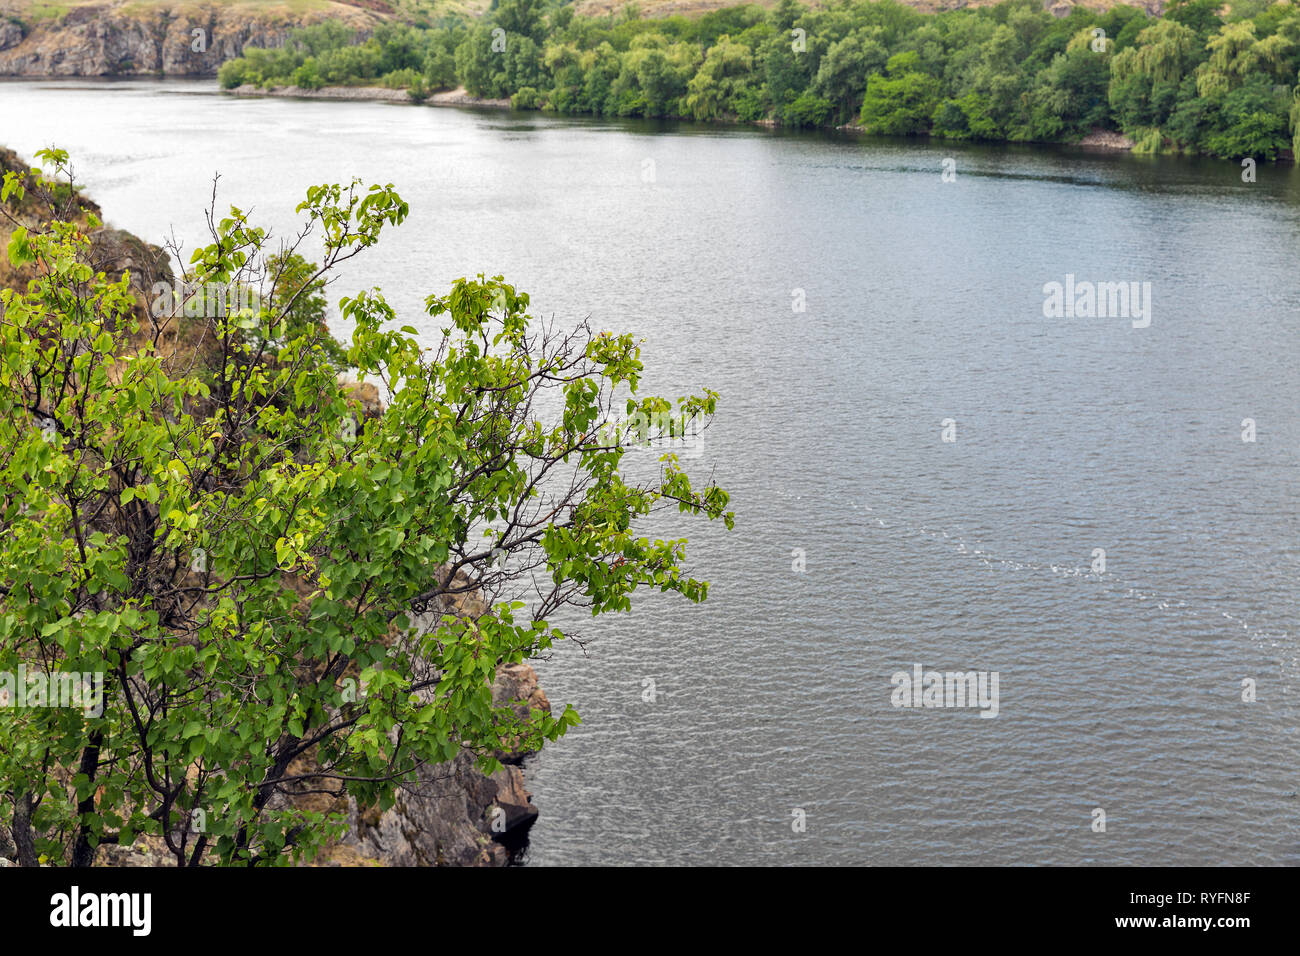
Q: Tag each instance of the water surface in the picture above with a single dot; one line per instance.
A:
(924, 301)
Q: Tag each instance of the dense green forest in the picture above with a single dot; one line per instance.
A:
(1197, 79)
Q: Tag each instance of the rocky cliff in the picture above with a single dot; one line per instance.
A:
(117, 39)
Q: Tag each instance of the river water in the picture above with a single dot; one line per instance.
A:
(771, 736)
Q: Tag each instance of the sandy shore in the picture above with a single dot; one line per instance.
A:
(456, 97)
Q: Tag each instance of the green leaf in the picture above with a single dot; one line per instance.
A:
(20, 248)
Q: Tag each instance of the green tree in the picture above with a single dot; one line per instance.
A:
(807, 109)
(784, 14)
(230, 548)
(1146, 77)
(1295, 124)
(1237, 55)
(439, 64)
(1070, 96)
(1253, 122)
(720, 82)
(785, 72)
(601, 69)
(481, 63)
(902, 103)
(843, 72)
(965, 118)
(653, 77)
(1200, 16)
(298, 294)
(521, 18)
(1001, 81)
(1194, 118)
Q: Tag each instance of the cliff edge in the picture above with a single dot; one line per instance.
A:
(171, 39)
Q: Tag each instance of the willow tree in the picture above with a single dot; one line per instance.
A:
(1295, 122)
(1236, 56)
(1145, 77)
(267, 580)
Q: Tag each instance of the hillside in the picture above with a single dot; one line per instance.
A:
(194, 37)
(143, 37)
(668, 8)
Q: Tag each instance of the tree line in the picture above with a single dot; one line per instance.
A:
(1199, 79)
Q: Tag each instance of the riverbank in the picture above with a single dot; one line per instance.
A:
(1097, 139)
(456, 97)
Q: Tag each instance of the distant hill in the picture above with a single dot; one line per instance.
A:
(135, 37)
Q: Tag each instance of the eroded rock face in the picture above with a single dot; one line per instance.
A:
(11, 34)
(105, 41)
(116, 251)
(454, 814)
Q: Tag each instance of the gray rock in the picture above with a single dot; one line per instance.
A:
(11, 34)
(452, 814)
(102, 41)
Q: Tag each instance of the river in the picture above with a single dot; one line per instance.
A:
(772, 736)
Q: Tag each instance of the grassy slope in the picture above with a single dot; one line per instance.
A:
(666, 8)
(32, 10)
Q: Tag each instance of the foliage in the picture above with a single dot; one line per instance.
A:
(1007, 72)
(298, 293)
(194, 509)
(901, 103)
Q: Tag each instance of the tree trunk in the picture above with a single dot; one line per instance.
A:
(24, 841)
(83, 853)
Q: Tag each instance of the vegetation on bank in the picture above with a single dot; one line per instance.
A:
(1196, 79)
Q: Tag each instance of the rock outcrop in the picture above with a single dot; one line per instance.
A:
(454, 814)
(115, 39)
